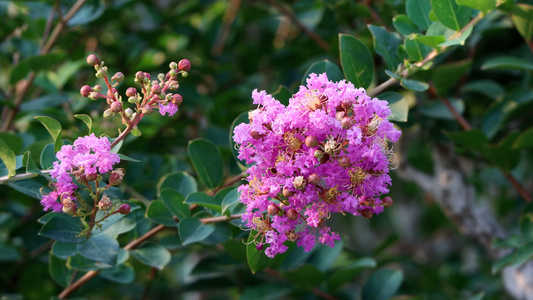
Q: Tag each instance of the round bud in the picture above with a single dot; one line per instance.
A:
(339, 115)
(147, 76)
(139, 76)
(259, 247)
(92, 60)
(173, 85)
(80, 177)
(344, 161)
(116, 177)
(108, 113)
(94, 95)
(100, 74)
(346, 122)
(184, 74)
(346, 103)
(118, 77)
(288, 193)
(299, 183)
(319, 154)
(105, 203)
(313, 178)
(386, 202)
(367, 213)
(147, 110)
(161, 76)
(128, 112)
(111, 93)
(97, 88)
(69, 207)
(173, 65)
(177, 99)
(131, 91)
(184, 65)
(91, 176)
(273, 209)
(311, 141)
(116, 106)
(85, 90)
(292, 214)
(124, 209)
(256, 135)
(156, 89)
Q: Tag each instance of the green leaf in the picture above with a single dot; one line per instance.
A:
(489, 88)
(100, 248)
(450, 14)
(81, 263)
(8, 157)
(122, 274)
(230, 201)
(523, 254)
(431, 41)
(324, 256)
(221, 234)
(437, 109)
(526, 226)
(153, 255)
(63, 228)
(398, 106)
(416, 49)
(48, 157)
(54, 128)
(43, 102)
(59, 271)
(86, 119)
(121, 226)
(193, 230)
(482, 5)
(513, 241)
(13, 140)
(242, 118)
(522, 16)
(446, 76)
(507, 62)
(333, 71)
(404, 25)
(474, 139)
(8, 253)
(204, 200)
(306, 275)
(64, 250)
(414, 85)
(502, 155)
(34, 63)
(158, 212)
(127, 158)
(257, 260)
(418, 12)
(382, 284)
(356, 61)
(460, 40)
(478, 296)
(524, 140)
(179, 181)
(174, 201)
(282, 94)
(29, 187)
(385, 44)
(29, 163)
(348, 272)
(207, 161)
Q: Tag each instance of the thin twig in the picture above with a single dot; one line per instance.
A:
(220, 219)
(229, 182)
(22, 176)
(458, 117)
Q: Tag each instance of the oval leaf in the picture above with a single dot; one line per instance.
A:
(333, 72)
(382, 284)
(86, 119)
(192, 230)
(207, 161)
(507, 62)
(54, 128)
(180, 181)
(174, 201)
(523, 19)
(100, 248)
(153, 255)
(8, 157)
(404, 25)
(386, 45)
(450, 14)
(63, 228)
(204, 200)
(418, 12)
(356, 61)
(158, 212)
(257, 259)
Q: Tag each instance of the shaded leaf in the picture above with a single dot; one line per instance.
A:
(153, 255)
(416, 49)
(86, 119)
(404, 25)
(522, 16)
(231, 199)
(179, 181)
(525, 140)
(523, 254)
(207, 161)
(59, 271)
(385, 44)
(482, 5)
(64, 250)
(100, 248)
(356, 61)
(29, 163)
(414, 85)
(418, 12)
(257, 260)
(333, 71)
(158, 212)
(450, 14)
(174, 201)
(507, 62)
(120, 274)
(437, 109)
(282, 94)
(447, 75)
(34, 63)
(8, 158)
(63, 228)
(306, 275)
(348, 273)
(382, 284)
(398, 106)
(54, 128)
(474, 139)
(204, 200)
(193, 230)
(8, 253)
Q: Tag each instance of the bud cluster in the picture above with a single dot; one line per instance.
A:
(326, 152)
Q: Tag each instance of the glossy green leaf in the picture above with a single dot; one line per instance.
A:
(414, 85)
(88, 13)
(34, 63)
(525, 140)
(8, 253)
(63, 228)
(386, 44)
(416, 49)
(204, 200)
(460, 40)
(241, 118)
(418, 12)
(221, 234)
(447, 75)
(159, 213)
(122, 274)
(523, 254)
(119, 227)
(100, 248)
(153, 255)
(522, 16)
(324, 256)
(474, 139)
(436, 109)
(431, 41)
(404, 25)
(348, 272)
(29, 187)
(14, 141)
(64, 250)
(513, 241)
(81, 263)
(43, 102)
(282, 94)
(174, 201)
(356, 61)
(207, 161)
(59, 271)
(482, 5)
(29, 163)
(230, 201)
(333, 71)
(257, 259)
(8, 158)
(503, 155)
(86, 119)
(306, 275)
(526, 225)
(450, 14)
(501, 263)
(488, 88)
(507, 62)
(48, 157)
(193, 230)
(180, 181)
(382, 284)
(54, 128)
(398, 106)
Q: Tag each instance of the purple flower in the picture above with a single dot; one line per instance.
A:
(169, 108)
(349, 164)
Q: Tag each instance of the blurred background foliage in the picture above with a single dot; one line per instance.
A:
(235, 47)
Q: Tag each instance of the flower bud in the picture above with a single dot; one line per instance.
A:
(319, 154)
(128, 112)
(69, 207)
(147, 76)
(288, 193)
(139, 76)
(184, 74)
(118, 77)
(386, 202)
(299, 183)
(184, 65)
(94, 95)
(346, 103)
(173, 73)
(97, 88)
(105, 203)
(311, 141)
(131, 91)
(273, 209)
(256, 135)
(292, 214)
(147, 110)
(313, 178)
(85, 90)
(111, 93)
(347, 122)
(339, 115)
(108, 113)
(259, 247)
(177, 99)
(91, 176)
(116, 177)
(156, 89)
(367, 213)
(173, 85)
(92, 60)
(116, 106)
(173, 65)
(80, 177)
(124, 209)
(344, 161)
(100, 74)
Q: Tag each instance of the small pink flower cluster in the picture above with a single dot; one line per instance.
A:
(89, 157)
(326, 152)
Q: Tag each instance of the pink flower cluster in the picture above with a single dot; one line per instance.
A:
(326, 152)
(86, 159)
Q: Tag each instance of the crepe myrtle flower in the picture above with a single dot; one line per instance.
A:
(85, 160)
(327, 152)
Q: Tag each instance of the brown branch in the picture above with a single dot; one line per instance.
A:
(220, 219)
(229, 182)
(456, 115)
(315, 37)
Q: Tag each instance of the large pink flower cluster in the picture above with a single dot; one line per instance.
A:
(85, 160)
(326, 152)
